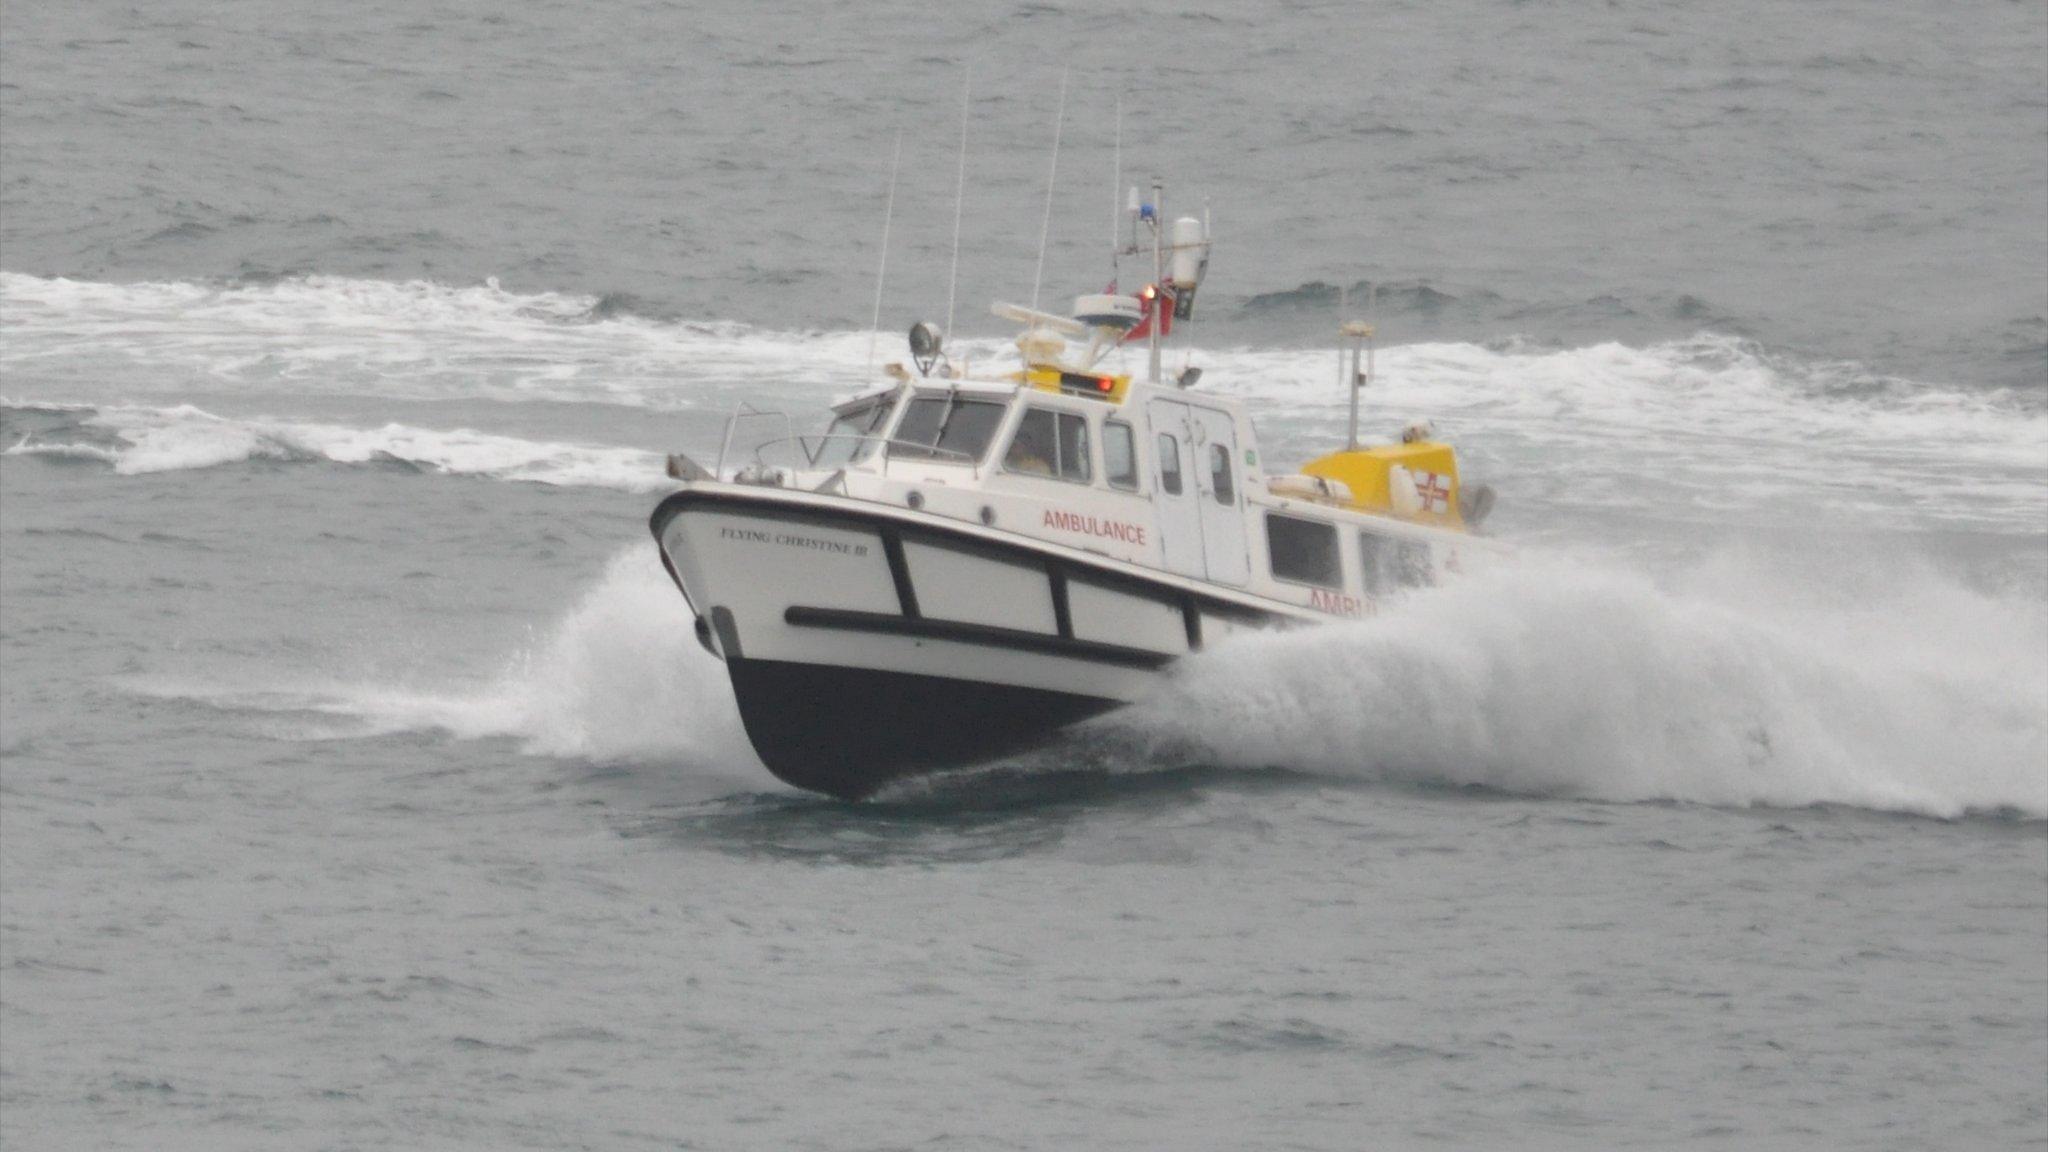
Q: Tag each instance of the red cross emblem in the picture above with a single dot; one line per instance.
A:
(1434, 490)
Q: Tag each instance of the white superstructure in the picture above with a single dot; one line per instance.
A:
(961, 564)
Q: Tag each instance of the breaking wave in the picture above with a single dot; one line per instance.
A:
(141, 440)
(1322, 298)
(1570, 678)
(619, 678)
(1552, 676)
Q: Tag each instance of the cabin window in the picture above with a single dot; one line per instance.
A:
(1412, 568)
(1119, 455)
(1169, 464)
(1052, 444)
(949, 429)
(847, 439)
(1304, 551)
(1372, 561)
(1387, 563)
(1219, 475)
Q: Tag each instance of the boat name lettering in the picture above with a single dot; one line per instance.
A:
(792, 540)
(1090, 526)
(1335, 602)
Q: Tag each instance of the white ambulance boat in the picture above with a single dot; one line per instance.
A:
(966, 562)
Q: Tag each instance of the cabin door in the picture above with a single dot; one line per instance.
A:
(1219, 477)
(1174, 491)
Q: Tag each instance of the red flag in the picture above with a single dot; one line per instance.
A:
(1150, 299)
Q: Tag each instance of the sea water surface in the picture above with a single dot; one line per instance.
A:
(362, 786)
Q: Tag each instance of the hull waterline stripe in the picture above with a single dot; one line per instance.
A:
(986, 635)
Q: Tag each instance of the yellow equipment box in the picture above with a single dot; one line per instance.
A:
(1431, 476)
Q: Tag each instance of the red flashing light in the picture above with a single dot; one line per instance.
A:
(1106, 384)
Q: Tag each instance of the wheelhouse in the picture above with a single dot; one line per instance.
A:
(1068, 436)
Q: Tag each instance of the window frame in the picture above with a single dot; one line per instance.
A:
(1396, 563)
(1178, 486)
(1137, 472)
(1417, 560)
(1374, 549)
(934, 453)
(1087, 456)
(881, 413)
(1335, 553)
(1218, 453)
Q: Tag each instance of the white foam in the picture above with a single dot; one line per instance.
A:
(619, 678)
(1708, 423)
(1707, 427)
(623, 676)
(334, 335)
(182, 438)
(1556, 676)
(27, 447)
(1550, 676)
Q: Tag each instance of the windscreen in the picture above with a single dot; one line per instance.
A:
(948, 429)
(847, 439)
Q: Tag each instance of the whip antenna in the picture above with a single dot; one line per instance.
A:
(888, 214)
(1343, 306)
(1045, 230)
(1116, 178)
(959, 198)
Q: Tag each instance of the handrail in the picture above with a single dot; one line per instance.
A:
(732, 422)
(803, 443)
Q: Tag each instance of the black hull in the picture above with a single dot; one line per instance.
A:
(850, 731)
(847, 732)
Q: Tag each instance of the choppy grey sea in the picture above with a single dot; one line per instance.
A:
(362, 787)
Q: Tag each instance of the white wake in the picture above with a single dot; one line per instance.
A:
(1577, 679)
(1549, 676)
(139, 440)
(1712, 425)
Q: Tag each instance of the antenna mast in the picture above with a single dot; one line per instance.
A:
(1159, 304)
(1343, 306)
(1045, 230)
(1360, 333)
(882, 271)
